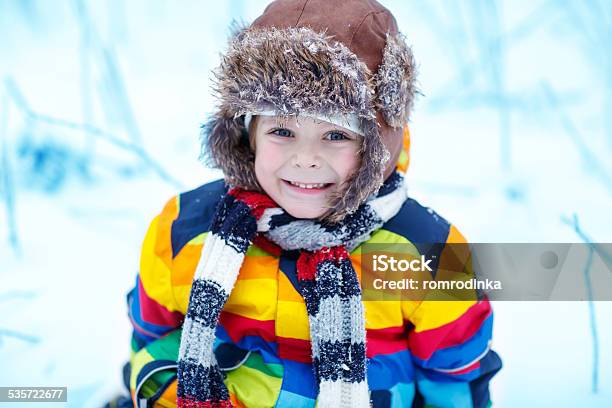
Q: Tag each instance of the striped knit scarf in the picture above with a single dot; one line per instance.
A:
(327, 281)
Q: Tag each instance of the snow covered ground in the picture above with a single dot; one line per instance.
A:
(512, 136)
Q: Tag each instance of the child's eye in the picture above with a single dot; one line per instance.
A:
(281, 132)
(337, 136)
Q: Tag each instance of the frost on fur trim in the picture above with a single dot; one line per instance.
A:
(293, 70)
(396, 82)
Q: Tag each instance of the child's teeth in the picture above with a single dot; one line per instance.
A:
(301, 185)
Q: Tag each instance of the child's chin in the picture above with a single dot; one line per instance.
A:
(304, 212)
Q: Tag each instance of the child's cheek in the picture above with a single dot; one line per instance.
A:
(269, 158)
(345, 162)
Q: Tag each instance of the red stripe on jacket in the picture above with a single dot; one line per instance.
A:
(424, 344)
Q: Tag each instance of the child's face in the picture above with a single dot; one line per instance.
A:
(301, 163)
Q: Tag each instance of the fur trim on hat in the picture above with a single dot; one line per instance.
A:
(396, 82)
(297, 71)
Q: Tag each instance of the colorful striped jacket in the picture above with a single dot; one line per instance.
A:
(429, 353)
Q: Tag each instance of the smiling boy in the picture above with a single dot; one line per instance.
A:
(302, 163)
(249, 287)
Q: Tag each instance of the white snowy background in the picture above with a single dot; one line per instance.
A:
(100, 107)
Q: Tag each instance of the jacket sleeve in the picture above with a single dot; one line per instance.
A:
(450, 341)
(155, 318)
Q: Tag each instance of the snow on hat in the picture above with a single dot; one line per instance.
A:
(316, 58)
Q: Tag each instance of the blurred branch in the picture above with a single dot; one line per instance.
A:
(592, 22)
(17, 294)
(131, 147)
(7, 178)
(18, 335)
(587, 276)
(593, 323)
(589, 158)
(486, 16)
(488, 62)
(599, 49)
(85, 74)
(573, 223)
(470, 69)
(115, 98)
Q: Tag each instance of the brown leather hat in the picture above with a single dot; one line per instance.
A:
(319, 57)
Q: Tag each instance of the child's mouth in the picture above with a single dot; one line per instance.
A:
(307, 187)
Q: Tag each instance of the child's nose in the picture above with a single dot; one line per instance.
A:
(306, 159)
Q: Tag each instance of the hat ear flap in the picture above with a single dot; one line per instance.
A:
(395, 81)
(225, 145)
(366, 180)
